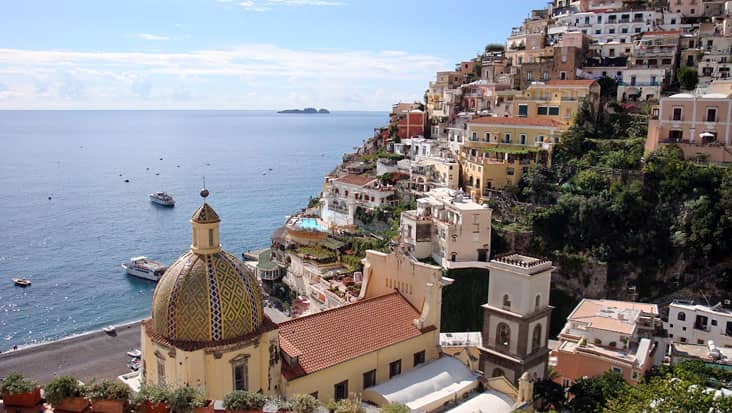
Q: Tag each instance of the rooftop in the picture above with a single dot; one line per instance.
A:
(577, 82)
(331, 337)
(522, 263)
(469, 338)
(359, 180)
(611, 315)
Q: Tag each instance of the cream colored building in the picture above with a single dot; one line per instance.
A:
(448, 227)
(698, 124)
(556, 99)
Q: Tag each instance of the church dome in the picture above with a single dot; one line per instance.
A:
(206, 295)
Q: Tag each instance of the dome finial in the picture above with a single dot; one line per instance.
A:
(204, 191)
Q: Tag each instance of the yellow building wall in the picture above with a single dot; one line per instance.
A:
(323, 381)
(212, 372)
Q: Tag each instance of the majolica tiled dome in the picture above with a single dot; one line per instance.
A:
(206, 297)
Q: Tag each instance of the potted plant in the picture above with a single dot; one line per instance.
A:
(18, 391)
(187, 399)
(240, 401)
(67, 394)
(304, 403)
(107, 396)
(395, 408)
(152, 398)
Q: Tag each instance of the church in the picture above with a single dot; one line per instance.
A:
(208, 328)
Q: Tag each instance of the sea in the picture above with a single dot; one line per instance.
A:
(68, 219)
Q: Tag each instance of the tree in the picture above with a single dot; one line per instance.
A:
(494, 47)
(548, 395)
(592, 394)
(688, 77)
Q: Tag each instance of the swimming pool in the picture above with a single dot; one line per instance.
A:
(310, 223)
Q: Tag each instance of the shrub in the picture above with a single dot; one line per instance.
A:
(151, 393)
(395, 408)
(15, 383)
(61, 388)
(185, 399)
(244, 400)
(304, 403)
(107, 390)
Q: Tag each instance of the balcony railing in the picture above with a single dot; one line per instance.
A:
(623, 83)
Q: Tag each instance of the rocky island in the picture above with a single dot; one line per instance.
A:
(307, 111)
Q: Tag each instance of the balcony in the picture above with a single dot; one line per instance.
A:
(629, 84)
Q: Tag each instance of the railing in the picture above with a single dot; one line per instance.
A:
(623, 83)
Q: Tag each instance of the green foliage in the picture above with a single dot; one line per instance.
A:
(106, 390)
(688, 77)
(185, 399)
(62, 387)
(395, 408)
(349, 406)
(316, 251)
(314, 202)
(549, 395)
(461, 302)
(244, 400)
(592, 394)
(151, 393)
(494, 47)
(16, 383)
(304, 403)
(538, 185)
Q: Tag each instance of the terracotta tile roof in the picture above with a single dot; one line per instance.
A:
(517, 121)
(611, 315)
(576, 82)
(359, 180)
(331, 337)
(267, 325)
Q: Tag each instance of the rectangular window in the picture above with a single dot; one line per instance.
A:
(523, 111)
(522, 139)
(530, 76)
(554, 111)
(161, 371)
(617, 370)
(539, 138)
(395, 368)
(507, 138)
(210, 238)
(475, 137)
(711, 114)
(677, 114)
(714, 322)
(487, 137)
(369, 379)
(542, 110)
(240, 375)
(418, 358)
(340, 390)
(728, 329)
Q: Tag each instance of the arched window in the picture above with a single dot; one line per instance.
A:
(537, 302)
(497, 372)
(506, 302)
(681, 316)
(503, 335)
(536, 337)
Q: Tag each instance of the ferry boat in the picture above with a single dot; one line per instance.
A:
(142, 267)
(162, 198)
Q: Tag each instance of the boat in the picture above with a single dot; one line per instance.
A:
(136, 353)
(22, 282)
(162, 198)
(134, 364)
(142, 267)
(109, 330)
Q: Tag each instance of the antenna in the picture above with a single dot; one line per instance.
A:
(705, 297)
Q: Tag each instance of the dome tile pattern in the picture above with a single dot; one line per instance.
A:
(205, 215)
(206, 298)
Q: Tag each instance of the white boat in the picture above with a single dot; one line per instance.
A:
(136, 353)
(142, 267)
(109, 329)
(22, 282)
(162, 198)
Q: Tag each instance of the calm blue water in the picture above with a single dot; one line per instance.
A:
(72, 245)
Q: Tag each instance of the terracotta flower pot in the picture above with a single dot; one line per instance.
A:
(72, 404)
(29, 399)
(149, 407)
(109, 406)
(207, 409)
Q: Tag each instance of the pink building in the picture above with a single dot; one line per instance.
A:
(698, 124)
(607, 335)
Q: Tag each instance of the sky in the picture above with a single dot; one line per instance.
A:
(238, 54)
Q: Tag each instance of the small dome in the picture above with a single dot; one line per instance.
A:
(206, 298)
(205, 215)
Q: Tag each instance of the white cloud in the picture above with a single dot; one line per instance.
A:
(213, 78)
(266, 5)
(148, 36)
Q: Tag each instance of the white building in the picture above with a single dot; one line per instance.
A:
(698, 324)
(342, 196)
(415, 147)
(431, 173)
(452, 229)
